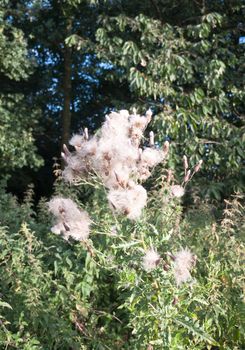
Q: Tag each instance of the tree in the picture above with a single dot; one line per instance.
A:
(17, 117)
(65, 83)
(183, 59)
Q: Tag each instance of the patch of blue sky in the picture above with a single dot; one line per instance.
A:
(242, 40)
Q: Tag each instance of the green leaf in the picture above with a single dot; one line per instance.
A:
(195, 330)
(4, 304)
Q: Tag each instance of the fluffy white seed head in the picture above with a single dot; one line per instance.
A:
(181, 275)
(184, 261)
(137, 122)
(79, 230)
(64, 208)
(70, 220)
(143, 172)
(177, 191)
(129, 202)
(89, 148)
(116, 125)
(76, 141)
(59, 229)
(124, 113)
(75, 168)
(151, 157)
(58, 206)
(150, 260)
(113, 154)
(118, 177)
(69, 175)
(184, 258)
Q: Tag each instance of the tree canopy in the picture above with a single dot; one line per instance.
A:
(18, 117)
(184, 60)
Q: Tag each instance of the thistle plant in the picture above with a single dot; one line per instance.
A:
(71, 221)
(115, 156)
(105, 278)
(117, 161)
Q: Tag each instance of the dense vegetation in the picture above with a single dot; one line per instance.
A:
(60, 295)
(63, 66)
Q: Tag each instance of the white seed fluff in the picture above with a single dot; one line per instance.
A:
(183, 263)
(177, 191)
(150, 260)
(129, 201)
(76, 140)
(70, 221)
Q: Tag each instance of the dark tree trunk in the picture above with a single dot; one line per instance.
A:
(66, 113)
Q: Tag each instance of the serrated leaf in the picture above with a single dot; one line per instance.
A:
(192, 328)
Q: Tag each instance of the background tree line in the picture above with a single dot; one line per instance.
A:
(64, 64)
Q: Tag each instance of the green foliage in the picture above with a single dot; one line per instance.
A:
(96, 295)
(18, 118)
(17, 147)
(188, 66)
(13, 54)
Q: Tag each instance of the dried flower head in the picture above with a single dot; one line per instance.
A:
(184, 258)
(177, 191)
(151, 157)
(70, 220)
(143, 172)
(151, 260)
(115, 125)
(137, 122)
(181, 275)
(129, 201)
(88, 148)
(148, 115)
(184, 261)
(76, 141)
